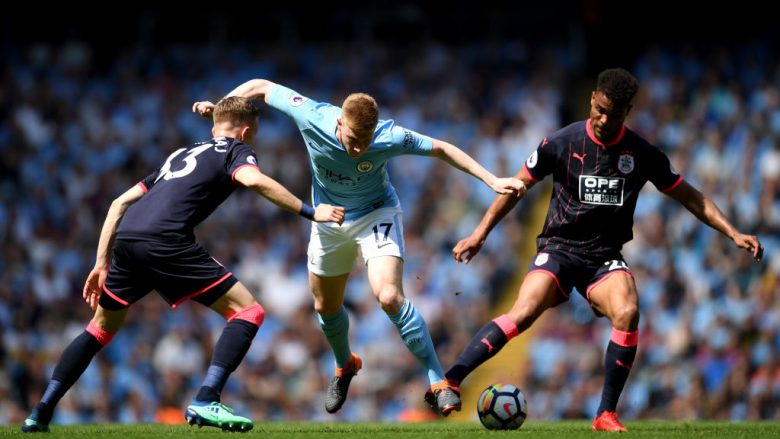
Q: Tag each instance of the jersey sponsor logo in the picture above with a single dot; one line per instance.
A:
(297, 100)
(541, 259)
(365, 166)
(532, 160)
(251, 159)
(626, 163)
(601, 190)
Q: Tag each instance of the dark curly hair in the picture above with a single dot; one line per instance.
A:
(618, 85)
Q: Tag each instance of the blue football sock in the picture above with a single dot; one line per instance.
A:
(415, 335)
(336, 329)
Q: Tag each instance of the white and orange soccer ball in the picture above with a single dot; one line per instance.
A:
(502, 407)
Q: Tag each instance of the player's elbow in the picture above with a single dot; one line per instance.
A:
(260, 87)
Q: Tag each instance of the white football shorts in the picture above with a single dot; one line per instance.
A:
(333, 248)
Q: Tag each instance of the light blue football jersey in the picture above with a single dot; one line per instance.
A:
(359, 184)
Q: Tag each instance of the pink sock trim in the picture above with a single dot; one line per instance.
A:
(103, 337)
(625, 339)
(252, 314)
(507, 325)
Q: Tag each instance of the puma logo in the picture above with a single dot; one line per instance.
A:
(623, 365)
(487, 343)
(581, 158)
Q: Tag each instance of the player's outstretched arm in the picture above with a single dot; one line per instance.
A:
(468, 247)
(460, 160)
(266, 186)
(707, 212)
(252, 89)
(93, 287)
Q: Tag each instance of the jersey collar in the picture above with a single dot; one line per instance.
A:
(592, 136)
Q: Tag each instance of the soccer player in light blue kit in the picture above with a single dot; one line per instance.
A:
(348, 150)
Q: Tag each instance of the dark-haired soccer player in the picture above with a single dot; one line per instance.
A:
(147, 243)
(598, 167)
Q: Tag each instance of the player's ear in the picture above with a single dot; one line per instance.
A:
(243, 133)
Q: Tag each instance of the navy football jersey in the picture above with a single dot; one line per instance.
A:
(192, 182)
(595, 187)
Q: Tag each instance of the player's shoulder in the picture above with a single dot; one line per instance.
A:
(638, 142)
(571, 133)
(388, 133)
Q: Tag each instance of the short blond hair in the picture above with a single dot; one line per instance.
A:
(361, 111)
(236, 110)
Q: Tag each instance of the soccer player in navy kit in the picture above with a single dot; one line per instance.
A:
(598, 167)
(147, 242)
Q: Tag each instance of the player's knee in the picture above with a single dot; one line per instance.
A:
(626, 317)
(254, 314)
(390, 299)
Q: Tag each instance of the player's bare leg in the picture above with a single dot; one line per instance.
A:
(615, 296)
(538, 292)
(385, 275)
(328, 292)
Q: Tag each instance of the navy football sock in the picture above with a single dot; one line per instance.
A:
(482, 347)
(617, 364)
(231, 348)
(73, 362)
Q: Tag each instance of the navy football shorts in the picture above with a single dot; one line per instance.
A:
(572, 270)
(177, 270)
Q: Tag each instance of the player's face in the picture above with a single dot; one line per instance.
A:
(606, 117)
(355, 143)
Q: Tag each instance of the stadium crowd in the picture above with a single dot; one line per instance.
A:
(77, 130)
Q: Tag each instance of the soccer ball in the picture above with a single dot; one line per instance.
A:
(502, 407)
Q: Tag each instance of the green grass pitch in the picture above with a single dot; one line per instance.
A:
(532, 429)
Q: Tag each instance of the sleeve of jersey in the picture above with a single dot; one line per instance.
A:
(662, 175)
(410, 142)
(289, 102)
(148, 181)
(240, 157)
(541, 162)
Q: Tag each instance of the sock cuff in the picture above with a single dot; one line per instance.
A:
(254, 314)
(406, 310)
(342, 313)
(507, 326)
(103, 337)
(625, 339)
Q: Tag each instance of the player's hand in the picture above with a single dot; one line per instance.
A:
(751, 244)
(93, 288)
(509, 185)
(325, 213)
(466, 249)
(204, 108)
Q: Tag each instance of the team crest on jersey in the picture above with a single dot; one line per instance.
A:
(531, 162)
(626, 163)
(297, 100)
(365, 166)
(541, 259)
